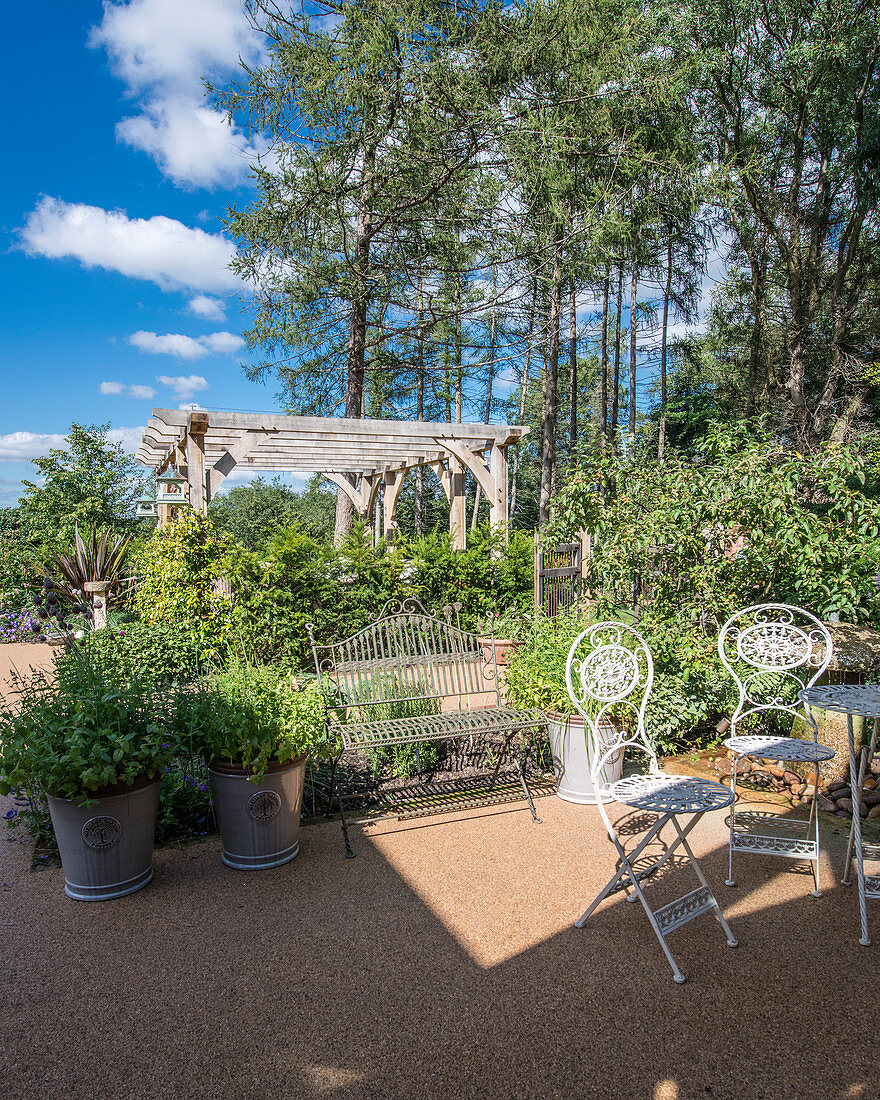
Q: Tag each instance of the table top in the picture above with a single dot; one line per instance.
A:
(860, 699)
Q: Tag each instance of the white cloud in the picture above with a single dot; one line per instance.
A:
(18, 446)
(222, 343)
(130, 438)
(191, 406)
(21, 445)
(111, 387)
(162, 49)
(142, 393)
(186, 347)
(209, 309)
(184, 386)
(158, 249)
(171, 343)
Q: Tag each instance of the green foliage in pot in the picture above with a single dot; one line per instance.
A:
(536, 671)
(257, 716)
(70, 741)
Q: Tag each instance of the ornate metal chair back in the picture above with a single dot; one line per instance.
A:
(609, 674)
(773, 651)
(406, 655)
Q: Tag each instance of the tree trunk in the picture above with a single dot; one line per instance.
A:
(615, 392)
(631, 427)
(522, 398)
(548, 418)
(573, 374)
(603, 370)
(661, 435)
(420, 409)
(357, 336)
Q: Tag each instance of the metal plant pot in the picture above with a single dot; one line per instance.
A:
(571, 759)
(107, 848)
(258, 822)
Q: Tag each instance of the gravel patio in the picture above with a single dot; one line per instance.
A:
(441, 962)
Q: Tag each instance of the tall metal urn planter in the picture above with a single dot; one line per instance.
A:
(571, 759)
(107, 847)
(258, 822)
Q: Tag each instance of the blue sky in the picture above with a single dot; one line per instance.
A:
(117, 298)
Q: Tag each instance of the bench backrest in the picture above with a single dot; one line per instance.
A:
(406, 655)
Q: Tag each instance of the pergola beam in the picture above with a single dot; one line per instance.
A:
(360, 456)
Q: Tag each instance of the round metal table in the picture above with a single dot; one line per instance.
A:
(862, 700)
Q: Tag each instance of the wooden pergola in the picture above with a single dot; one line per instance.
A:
(363, 457)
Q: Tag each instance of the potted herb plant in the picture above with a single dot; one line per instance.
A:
(536, 680)
(258, 727)
(95, 749)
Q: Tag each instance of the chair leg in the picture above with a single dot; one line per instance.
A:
(732, 941)
(730, 881)
(813, 831)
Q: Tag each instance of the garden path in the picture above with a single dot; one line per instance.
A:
(442, 962)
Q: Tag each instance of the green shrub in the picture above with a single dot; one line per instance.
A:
(153, 653)
(178, 570)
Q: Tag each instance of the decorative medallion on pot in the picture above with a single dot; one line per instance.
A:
(101, 832)
(263, 805)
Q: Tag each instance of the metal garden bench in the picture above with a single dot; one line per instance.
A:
(411, 677)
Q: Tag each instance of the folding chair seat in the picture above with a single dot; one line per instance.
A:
(609, 674)
(773, 651)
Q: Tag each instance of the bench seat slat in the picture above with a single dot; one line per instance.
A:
(433, 727)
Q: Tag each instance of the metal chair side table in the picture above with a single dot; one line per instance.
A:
(855, 700)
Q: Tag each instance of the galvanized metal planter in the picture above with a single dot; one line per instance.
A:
(572, 758)
(107, 848)
(258, 822)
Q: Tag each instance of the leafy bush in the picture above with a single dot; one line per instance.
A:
(178, 570)
(151, 653)
(752, 521)
(72, 740)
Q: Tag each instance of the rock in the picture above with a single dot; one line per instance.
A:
(870, 783)
(874, 812)
(834, 785)
(723, 767)
(799, 790)
(809, 790)
(825, 804)
(841, 792)
(792, 779)
(744, 767)
(847, 804)
(871, 798)
(775, 771)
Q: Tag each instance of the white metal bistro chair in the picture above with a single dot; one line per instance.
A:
(609, 674)
(773, 651)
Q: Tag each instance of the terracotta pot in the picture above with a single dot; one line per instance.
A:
(107, 847)
(571, 759)
(504, 649)
(258, 822)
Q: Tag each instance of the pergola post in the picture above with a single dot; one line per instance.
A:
(457, 505)
(393, 481)
(195, 461)
(498, 470)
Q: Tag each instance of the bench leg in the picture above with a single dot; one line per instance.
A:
(525, 787)
(349, 852)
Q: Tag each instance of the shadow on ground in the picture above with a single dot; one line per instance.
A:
(441, 962)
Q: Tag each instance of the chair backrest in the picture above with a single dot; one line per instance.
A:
(406, 655)
(773, 651)
(609, 674)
